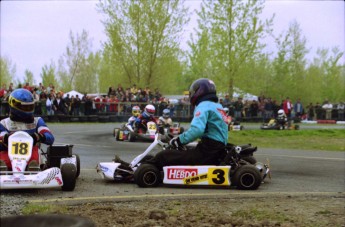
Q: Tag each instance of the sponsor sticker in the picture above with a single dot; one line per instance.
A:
(180, 173)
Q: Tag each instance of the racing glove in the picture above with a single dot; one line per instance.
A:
(5, 139)
(38, 138)
(175, 143)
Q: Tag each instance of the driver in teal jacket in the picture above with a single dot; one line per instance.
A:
(209, 124)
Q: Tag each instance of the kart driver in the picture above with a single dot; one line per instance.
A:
(165, 120)
(146, 116)
(135, 112)
(281, 118)
(22, 118)
(209, 124)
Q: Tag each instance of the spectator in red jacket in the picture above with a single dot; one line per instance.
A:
(287, 106)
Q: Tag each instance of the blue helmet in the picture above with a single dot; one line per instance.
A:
(21, 103)
(201, 90)
(166, 113)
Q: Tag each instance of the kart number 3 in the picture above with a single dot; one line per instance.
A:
(218, 176)
(19, 148)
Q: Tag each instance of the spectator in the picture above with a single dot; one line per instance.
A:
(298, 108)
(287, 107)
(88, 106)
(49, 105)
(27, 87)
(319, 111)
(340, 109)
(111, 91)
(268, 109)
(68, 101)
(328, 108)
(3, 91)
(134, 89)
(311, 112)
(254, 107)
(238, 105)
(77, 102)
(38, 106)
(226, 101)
(59, 105)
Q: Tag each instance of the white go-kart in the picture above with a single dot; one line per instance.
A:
(238, 168)
(57, 167)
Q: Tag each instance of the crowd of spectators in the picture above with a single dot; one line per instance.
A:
(119, 101)
(266, 108)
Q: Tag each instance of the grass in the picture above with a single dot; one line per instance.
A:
(43, 209)
(316, 139)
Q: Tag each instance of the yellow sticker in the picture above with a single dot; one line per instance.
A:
(121, 135)
(20, 148)
(195, 179)
(218, 176)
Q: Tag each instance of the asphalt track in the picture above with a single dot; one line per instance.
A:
(293, 171)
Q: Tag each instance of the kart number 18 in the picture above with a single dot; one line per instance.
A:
(19, 148)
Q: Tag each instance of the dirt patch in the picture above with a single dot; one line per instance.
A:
(250, 211)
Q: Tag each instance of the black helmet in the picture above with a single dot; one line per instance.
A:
(204, 89)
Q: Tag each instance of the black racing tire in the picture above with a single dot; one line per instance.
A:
(147, 157)
(247, 177)
(131, 137)
(296, 127)
(68, 172)
(147, 176)
(181, 130)
(78, 165)
(250, 159)
(241, 127)
(117, 135)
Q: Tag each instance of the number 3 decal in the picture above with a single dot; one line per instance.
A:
(218, 176)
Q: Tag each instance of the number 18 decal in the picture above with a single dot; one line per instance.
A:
(19, 148)
(218, 176)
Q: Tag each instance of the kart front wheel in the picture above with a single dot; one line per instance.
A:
(247, 177)
(69, 173)
(131, 137)
(147, 175)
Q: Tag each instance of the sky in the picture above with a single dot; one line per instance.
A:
(34, 33)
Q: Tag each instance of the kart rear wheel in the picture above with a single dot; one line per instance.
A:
(247, 177)
(78, 165)
(68, 172)
(296, 127)
(147, 175)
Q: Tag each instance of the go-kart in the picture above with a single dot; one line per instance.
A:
(58, 167)
(274, 125)
(174, 129)
(232, 170)
(127, 133)
(235, 126)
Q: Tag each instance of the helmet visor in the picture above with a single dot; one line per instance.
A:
(136, 112)
(27, 107)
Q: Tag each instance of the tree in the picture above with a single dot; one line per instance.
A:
(143, 42)
(29, 77)
(235, 32)
(75, 66)
(7, 70)
(48, 75)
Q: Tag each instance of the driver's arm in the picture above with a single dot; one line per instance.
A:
(43, 129)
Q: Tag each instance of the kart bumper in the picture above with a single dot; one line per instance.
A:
(107, 170)
(50, 178)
